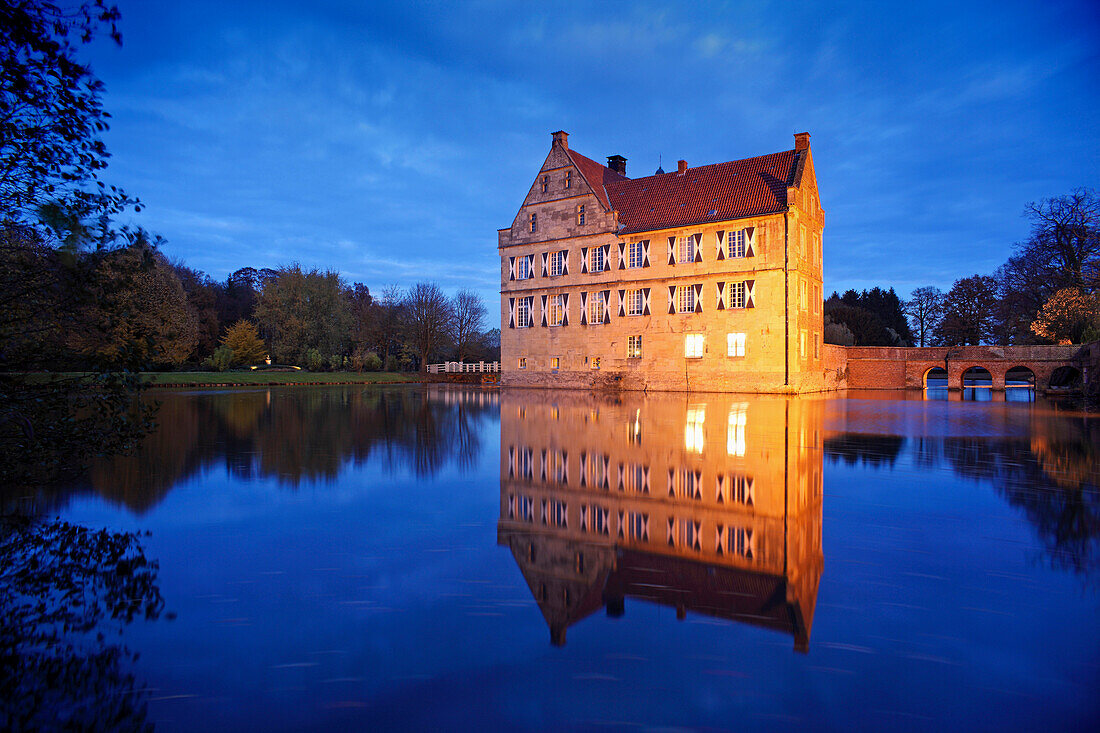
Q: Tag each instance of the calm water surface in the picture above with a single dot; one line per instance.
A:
(412, 558)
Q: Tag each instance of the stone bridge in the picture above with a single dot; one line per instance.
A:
(886, 367)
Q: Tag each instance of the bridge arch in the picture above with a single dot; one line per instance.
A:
(1065, 376)
(936, 373)
(1020, 376)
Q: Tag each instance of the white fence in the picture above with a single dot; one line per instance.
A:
(458, 367)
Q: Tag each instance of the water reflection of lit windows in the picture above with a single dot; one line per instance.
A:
(525, 508)
(685, 533)
(735, 432)
(594, 518)
(637, 525)
(735, 489)
(555, 513)
(694, 432)
(556, 468)
(685, 483)
(634, 429)
(594, 470)
(636, 478)
(740, 542)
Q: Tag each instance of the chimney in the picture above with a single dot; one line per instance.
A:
(802, 141)
(682, 166)
(617, 163)
(561, 136)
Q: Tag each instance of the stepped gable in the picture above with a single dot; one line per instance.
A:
(597, 175)
(708, 193)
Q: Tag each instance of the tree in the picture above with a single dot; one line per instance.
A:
(428, 322)
(1067, 317)
(299, 311)
(838, 333)
(969, 311)
(866, 328)
(924, 307)
(469, 318)
(244, 341)
(1065, 238)
(202, 298)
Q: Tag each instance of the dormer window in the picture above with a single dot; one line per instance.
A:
(580, 215)
(569, 179)
(545, 183)
(534, 222)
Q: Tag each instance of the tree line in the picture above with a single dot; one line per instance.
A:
(1046, 292)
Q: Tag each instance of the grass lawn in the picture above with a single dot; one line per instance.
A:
(265, 378)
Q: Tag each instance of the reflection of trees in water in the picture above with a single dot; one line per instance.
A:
(872, 450)
(61, 587)
(292, 435)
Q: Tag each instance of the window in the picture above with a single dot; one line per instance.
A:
(634, 347)
(523, 268)
(634, 302)
(740, 542)
(557, 263)
(523, 362)
(685, 249)
(686, 298)
(555, 362)
(685, 483)
(580, 215)
(545, 183)
(817, 299)
(637, 479)
(693, 346)
(802, 295)
(735, 488)
(639, 526)
(594, 362)
(534, 222)
(735, 344)
(596, 260)
(817, 345)
(569, 179)
(557, 309)
(736, 243)
(802, 344)
(596, 307)
(523, 312)
(736, 298)
(637, 254)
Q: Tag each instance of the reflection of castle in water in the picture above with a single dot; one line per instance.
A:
(703, 503)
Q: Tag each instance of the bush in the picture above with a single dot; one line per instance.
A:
(220, 360)
(372, 362)
(314, 361)
(336, 362)
(392, 364)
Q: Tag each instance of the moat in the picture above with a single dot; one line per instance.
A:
(420, 557)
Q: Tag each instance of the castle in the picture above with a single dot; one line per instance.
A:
(700, 279)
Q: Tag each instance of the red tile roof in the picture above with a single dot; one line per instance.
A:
(717, 192)
(598, 176)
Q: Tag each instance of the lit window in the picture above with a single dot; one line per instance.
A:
(596, 261)
(557, 309)
(736, 297)
(555, 362)
(802, 295)
(545, 184)
(693, 346)
(802, 344)
(569, 179)
(817, 345)
(634, 347)
(523, 268)
(634, 302)
(523, 362)
(736, 244)
(735, 344)
(596, 307)
(686, 299)
(735, 431)
(637, 254)
(534, 222)
(685, 249)
(694, 433)
(523, 312)
(594, 362)
(557, 263)
(580, 214)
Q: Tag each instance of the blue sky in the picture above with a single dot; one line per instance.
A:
(390, 141)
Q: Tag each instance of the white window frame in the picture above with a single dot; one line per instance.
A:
(636, 255)
(635, 301)
(634, 347)
(694, 345)
(685, 249)
(523, 312)
(556, 308)
(735, 344)
(736, 295)
(685, 299)
(557, 260)
(596, 260)
(597, 305)
(523, 267)
(735, 244)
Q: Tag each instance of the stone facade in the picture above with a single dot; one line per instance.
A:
(651, 298)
